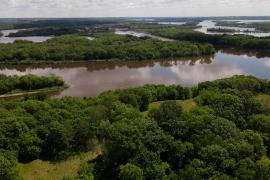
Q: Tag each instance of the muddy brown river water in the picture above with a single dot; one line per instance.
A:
(90, 79)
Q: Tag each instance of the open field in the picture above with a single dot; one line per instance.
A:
(21, 94)
(46, 170)
(264, 100)
(187, 105)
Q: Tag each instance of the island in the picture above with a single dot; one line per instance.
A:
(105, 46)
(238, 41)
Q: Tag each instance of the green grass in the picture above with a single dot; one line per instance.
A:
(18, 94)
(4, 26)
(187, 105)
(264, 100)
(46, 170)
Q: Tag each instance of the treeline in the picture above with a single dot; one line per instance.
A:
(222, 30)
(225, 137)
(240, 83)
(27, 82)
(59, 31)
(49, 31)
(241, 41)
(64, 22)
(106, 46)
(259, 26)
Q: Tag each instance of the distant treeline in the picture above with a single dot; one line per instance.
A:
(71, 22)
(49, 31)
(259, 26)
(27, 82)
(222, 30)
(59, 31)
(106, 46)
(241, 41)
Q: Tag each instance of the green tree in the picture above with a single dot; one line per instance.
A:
(8, 165)
(166, 114)
(246, 169)
(263, 168)
(130, 172)
(57, 141)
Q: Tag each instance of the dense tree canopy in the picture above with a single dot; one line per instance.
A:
(8, 162)
(48, 31)
(240, 41)
(10, 84)
(225, 136)
(105, 46)
(259, 26)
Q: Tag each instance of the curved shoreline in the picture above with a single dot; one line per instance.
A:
(22, 94)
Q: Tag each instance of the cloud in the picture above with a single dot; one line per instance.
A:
(267, 63)
(55, 8)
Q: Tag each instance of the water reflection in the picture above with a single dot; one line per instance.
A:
(89, 79)
(6, 39)
(245, 52)
(172, 23)
(110, 65)
(140, 34)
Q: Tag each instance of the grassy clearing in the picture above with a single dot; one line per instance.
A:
(187, 105)
(20, 94)
(46, 170)
(264, 100)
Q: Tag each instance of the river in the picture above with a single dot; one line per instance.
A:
(90, 79)
(5, 39)
(141, 34)
(208, 24)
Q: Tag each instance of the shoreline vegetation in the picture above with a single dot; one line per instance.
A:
(215, 130)
(260, 27)
(224, 30)
(32, 93)
(12, 87)
(104, 46)
(50, 62)
(68, 46)
(48, 31)
(239, 41)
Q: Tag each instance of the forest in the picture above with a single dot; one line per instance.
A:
(62, 22)
(10, 84)
(240, 41)
(222, 30)
(224, 136)
(48, 31)
(105, 46)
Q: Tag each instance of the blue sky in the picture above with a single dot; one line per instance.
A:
(116, 8)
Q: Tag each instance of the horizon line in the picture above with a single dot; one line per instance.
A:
(65, 17)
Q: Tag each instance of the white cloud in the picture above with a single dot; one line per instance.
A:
(267, 63)
(89, 8)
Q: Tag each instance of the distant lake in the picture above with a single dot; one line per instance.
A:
(172, 23)
(6, 39)
(251, 31)
(140, 34)
(90, 79)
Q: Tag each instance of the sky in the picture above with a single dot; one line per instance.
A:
(132, 8)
